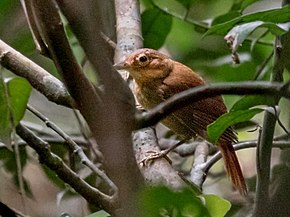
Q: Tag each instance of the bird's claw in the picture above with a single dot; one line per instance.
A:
(148, 160)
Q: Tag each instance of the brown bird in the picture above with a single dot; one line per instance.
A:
(157, 77)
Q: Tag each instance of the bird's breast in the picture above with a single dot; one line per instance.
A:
(148, 96)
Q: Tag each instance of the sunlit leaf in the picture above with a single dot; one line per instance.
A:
(247, 102)
(155, 27)
(100, 213)
(242, 4)
(225, 17)
(14, 95)
(186, 3)
(172, 7)
(65, 215)
(280, 15)
(19, 91)
(239, 33)
(217, 207)
(216, 129)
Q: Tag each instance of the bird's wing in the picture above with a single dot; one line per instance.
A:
(199, 114)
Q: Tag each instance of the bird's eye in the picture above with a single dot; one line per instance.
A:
(143, 60)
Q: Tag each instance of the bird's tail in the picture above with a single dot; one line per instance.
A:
(233, 167)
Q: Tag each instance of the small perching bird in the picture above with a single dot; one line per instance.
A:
(157, 78)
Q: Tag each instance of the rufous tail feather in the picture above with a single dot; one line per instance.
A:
(233, 167)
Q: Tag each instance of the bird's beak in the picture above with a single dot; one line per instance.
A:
(120, 66)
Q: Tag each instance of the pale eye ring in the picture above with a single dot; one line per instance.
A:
(143, 60)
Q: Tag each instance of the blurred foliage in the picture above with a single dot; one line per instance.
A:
(157, 200)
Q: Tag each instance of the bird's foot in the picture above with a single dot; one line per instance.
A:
(148, 160)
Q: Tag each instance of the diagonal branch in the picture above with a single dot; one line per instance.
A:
(38, 41)
(90, 193)
(76, 149)
(52, 88)
(183, 99)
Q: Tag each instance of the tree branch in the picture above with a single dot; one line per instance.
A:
(114, 137)
(129, 38)
(90, 193)
(264, 149)
(38, 41)
(76, 149)
(239, 146)
(52, 88)
(183, 99)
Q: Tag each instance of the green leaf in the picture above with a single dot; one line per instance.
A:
(242, 4)
(217, 207)
(8, 162)
(100, 213)
(19, 91)
(155, 200)
(5, 119)
(14, 95)
(216, 129)
(226, 17)
(155, 27)
(51, 175)
(280, 15)
(239, 33)
(186, 3)
(247, 102)
(172, 7)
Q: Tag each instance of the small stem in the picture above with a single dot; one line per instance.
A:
(76, 149)
(240, 146)
(266, 141)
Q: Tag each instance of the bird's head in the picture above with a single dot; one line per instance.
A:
(146, 65)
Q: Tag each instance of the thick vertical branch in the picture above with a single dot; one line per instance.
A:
(128, 28)
(264, 149)
(114, 137)
(129, 38)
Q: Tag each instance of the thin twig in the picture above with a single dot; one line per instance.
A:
(98, 155)
(108, 40)
(76, 149)
(280, 122)
(20, 176)
(38, 41)
(263, 65)
(239, 146)
(91, 194)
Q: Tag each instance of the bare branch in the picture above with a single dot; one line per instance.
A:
(160, 170)
(183, 99)
(239, 146)
(128, 28)
(77, 149)
(129, 38)
(264, 149)
(117, 120)
(40, 79)
(40, 44)
(91, 194)
(197, 174)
